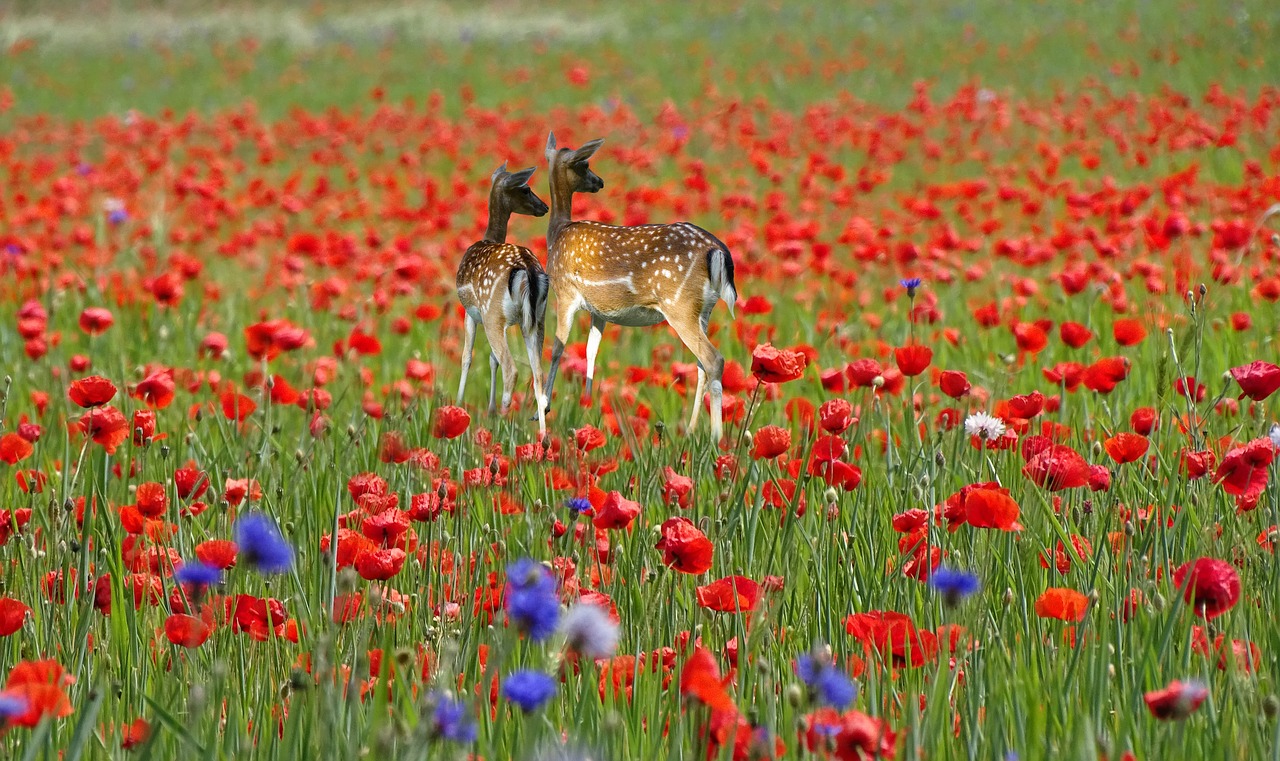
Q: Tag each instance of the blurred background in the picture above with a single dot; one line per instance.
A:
(81, 59)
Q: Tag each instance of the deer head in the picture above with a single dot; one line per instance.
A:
(511, 194)
(569, 168)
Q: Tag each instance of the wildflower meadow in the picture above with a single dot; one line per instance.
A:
(939, 423)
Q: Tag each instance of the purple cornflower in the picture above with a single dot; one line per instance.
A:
(531, 600)
(912, 284)
(451, 720)
(197, 574)
(826, 683)
(11, 706)
(261, 545)
(954, 585)
(529, 690)
(578, 504)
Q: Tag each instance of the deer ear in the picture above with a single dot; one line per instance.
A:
(551, 146)
(498, 172)
(586, 151)
(518, 179)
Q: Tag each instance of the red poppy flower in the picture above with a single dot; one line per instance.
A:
(854, 735)
(219, 553)
(1190, 388)
(1074, 334)
(770, 442)
(1104, 375)
(588, 437)
(835, 416)
(1210, 586)
(863, 372)
(380, 565)
(96, 320)
(13, 614)
(1025, 406)
(729, 595)
(151, 499)
(1030, 337)
(144, 427)
(237, 407)
(14, 448)
(187, 631)
(237, 489)
(1057, 467)
(1062, 604)
(1128, 332)
(912, 360)
(676, 489)
(93, 391)
(190, 481)
(773, 365)
(1244, 469)
(1144, 421)
(450, 422)
(1195, 465)
(954, 383)
(155, 390)
(700, 679)
(991, 508)
(106, 426)
(1257, 380)
(685, 548)
(1126, 447)
(893, 636)
(616, 512)
(134, 734)
(1176, 701)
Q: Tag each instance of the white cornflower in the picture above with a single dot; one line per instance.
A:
(589, 631)
(1275, 435)
(984, 426)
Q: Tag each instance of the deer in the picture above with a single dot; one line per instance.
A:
(633, 276)
(500, 284)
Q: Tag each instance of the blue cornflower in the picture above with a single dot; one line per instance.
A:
(912, 284)
(827, 683)
(198, 574)
(13, 249)
(954, 585)
(528, 689)
(11, 706)
(261, 545)
(451, 720)
(531, 600)
(578, 504)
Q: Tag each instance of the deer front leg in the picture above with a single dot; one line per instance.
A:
(697, 397)
(593, 347)
(564, 325)
(468, 345)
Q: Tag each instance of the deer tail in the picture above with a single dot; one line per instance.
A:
(720, 269)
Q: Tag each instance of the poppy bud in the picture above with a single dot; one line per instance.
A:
(1270, 706)
(794, 695)
(1008, 596)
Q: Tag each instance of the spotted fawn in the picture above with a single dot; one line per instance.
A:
(635, 276)
(501, 284)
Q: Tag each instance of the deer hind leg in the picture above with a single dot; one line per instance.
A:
(693, 334)
(533, 345)
(468, 345)
(593, 348)
(493, 380)
(501, 357)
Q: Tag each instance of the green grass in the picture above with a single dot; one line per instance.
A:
(795, 70)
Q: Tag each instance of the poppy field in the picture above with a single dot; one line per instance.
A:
(998, 471)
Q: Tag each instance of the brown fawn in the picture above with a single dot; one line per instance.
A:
(500, 285)
(634, 276)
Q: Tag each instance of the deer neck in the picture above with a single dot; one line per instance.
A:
(496, 230)
(560, 216)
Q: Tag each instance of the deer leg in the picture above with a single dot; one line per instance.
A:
(501, 357)
(564, 325)
(593, 347)
(697, 397)
(493, 377)
(468, 345)
(710, 362)
(533, 345)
